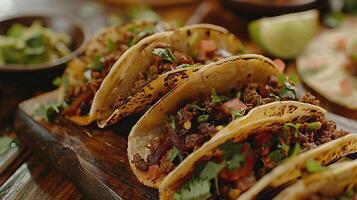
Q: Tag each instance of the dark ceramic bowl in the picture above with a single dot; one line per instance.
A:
(268, 8)
(67, 24)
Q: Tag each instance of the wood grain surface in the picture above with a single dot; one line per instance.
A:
(36, 179)
(95, 160)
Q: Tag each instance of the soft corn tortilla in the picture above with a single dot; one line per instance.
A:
(331, 182)
(277, 114)
(224, 75)
(322, 66)
(116, 86)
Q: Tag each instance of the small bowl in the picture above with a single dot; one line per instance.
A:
(67, 24)
(267, 8)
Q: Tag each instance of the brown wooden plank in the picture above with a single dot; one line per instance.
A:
(94, 159)
(37, 180)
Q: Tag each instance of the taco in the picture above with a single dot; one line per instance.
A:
(200, 108)
(259, 156)
(85, 73)
(157, 64)
(328, 64)
(335, 182)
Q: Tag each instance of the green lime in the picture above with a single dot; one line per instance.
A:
(286, 35)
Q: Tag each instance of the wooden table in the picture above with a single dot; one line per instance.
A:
(31, 175)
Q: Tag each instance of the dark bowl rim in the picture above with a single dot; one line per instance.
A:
(54, 63)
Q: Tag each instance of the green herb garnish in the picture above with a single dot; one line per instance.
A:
(236, 161)
(314, 126)
(290, 126)
(229, 149)
(49, 112)
(202, 118)
(194, 189)
(195, 105)
(218, 99)
(236, 113)
(172, 122)
(165, 54)
(173, 154)
(313, 166)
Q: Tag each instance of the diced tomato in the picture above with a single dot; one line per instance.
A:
(245, 183)
(346, 87)
(236, 174)
(341, 44)
(206, 47)
(154, 172)
(75, 105)
(280, 64)
(262, 141)
(234, 104)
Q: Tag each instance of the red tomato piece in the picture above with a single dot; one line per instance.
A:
(263, 142)
(280, 64)
(206, 47)
(154, 172)
(236, 174)
(234, 104)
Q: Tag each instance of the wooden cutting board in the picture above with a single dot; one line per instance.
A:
(94, 159)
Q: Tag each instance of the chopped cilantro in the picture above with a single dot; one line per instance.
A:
(195, 105)
(238, 95)
(236, 161)
(111, 46)
(287, 90)
(218, 99)
(314, 126)
(295, 150)
(172, 122)
(285, 147)
(173, 154)
(241, 50)
(194, 189)
(49, 112)
(236, 113)
(229, 149)
(313, 166)
(275, 155)
(211, 170)
(165, 54)
(295, 127)
(183, 66)
(96, 64)
(202, 118)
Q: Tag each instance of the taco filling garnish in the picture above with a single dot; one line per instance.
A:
(97, 60)
(235, 167)
(198, 120)
(167, 59)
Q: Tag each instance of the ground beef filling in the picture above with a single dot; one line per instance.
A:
(246, 162)
(199, 120)
(100, 62)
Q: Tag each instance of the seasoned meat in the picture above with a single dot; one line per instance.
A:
(250, 94)
(194, 141)
(207, 129)
(309, 98)
(139, 162)
(166, 165)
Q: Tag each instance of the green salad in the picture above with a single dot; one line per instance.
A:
(32, 45)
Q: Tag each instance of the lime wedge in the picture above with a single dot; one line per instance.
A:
(285, 36)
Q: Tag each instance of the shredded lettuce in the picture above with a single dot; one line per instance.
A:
(195, 189)
(165, 54)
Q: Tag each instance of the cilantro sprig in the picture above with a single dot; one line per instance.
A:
(218, 98)
(165, 54)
